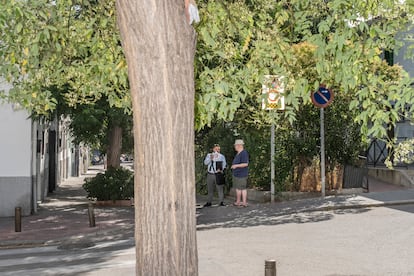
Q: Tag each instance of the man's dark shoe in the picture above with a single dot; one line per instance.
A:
(222, 204)
(208, 204)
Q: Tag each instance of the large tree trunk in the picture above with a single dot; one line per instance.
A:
(159, 46)
(114, 146)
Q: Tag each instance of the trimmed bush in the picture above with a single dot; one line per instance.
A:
(114, 184)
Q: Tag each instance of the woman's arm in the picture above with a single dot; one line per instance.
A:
(241, 165)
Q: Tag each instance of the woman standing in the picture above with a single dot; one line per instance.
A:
(240, 167)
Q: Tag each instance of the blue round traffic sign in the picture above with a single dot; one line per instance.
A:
(322, 97)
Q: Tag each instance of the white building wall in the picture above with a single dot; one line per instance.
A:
(15, 142)
(15, 160)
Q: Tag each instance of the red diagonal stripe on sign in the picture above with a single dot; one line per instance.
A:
(322, 96)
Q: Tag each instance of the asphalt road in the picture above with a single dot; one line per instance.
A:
(371, 242)
(105, 258)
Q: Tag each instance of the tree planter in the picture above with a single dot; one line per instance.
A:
(115, 203)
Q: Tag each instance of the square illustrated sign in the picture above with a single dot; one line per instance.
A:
(272, 93)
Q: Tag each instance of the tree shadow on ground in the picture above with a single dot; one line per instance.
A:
(57, 222)
(310, 211)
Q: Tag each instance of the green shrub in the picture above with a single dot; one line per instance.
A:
(114, 184)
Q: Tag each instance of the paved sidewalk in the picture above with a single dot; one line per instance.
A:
(63, 218)
(381, 195)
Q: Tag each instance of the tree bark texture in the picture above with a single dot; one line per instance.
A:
(114, 146)
(160, 45)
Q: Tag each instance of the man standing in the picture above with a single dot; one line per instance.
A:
(240, 167)
(216, 163)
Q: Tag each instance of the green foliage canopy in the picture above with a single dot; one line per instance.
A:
(62, 44)
(240, 41)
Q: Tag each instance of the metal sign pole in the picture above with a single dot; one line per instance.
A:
(322, 153)
(273, 90)
(272, 163)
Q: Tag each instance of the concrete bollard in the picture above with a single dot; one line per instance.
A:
(91, 214)
(18, 219)
(270, 268)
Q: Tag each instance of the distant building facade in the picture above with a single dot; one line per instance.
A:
(404, 129)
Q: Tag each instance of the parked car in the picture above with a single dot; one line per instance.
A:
(97, 158)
